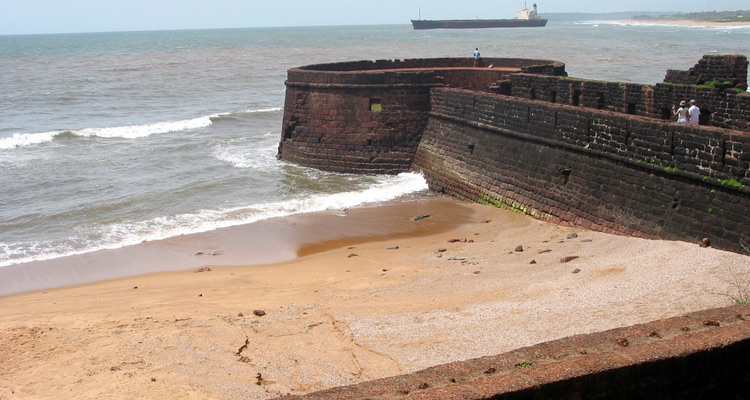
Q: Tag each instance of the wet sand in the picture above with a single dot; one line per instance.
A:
(374, 294)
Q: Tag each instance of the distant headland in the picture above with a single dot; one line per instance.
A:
(708, 18)
(701, 18)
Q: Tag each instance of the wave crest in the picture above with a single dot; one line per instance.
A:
(139, 131)
(131, 233)
(27, 139)
(19, 140)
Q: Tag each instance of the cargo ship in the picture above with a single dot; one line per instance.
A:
(525, 18)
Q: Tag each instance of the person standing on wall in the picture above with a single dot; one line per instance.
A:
(694, 113)
(681, 113)
(476, 57)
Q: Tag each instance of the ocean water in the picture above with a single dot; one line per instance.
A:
(112, 139)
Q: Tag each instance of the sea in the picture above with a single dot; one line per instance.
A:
(108, 140)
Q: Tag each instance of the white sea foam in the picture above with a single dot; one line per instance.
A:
(127, 234)
(262, 110)
(256, 156)
(19, 140)
(128, 132)
(663, 24)
(139, 131)
(27, 139)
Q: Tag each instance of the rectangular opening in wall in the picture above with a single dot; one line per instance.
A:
(576, 97)
(665, 114)
(553, 96)
(599, 101)
(533, 94)
(376, 105)
(631, 108)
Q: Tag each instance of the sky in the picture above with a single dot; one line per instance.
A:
(63, 16)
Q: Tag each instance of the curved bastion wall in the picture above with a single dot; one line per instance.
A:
(525, 136)
(368, 116)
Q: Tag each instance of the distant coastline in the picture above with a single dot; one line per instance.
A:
(683, 22)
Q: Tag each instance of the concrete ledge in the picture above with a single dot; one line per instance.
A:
(704, 354)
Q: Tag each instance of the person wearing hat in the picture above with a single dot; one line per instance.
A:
(694, 113)
(681, 113)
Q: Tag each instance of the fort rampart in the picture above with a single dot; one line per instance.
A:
(607, 156)
(592, 168)
(368, 116)
(524, 135)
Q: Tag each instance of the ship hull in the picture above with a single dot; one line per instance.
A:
(477, 23)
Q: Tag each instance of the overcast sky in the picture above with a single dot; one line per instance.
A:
(55, 16)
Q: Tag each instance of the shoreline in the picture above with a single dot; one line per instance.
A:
(377, 299)
(267, 241)
(682, 22)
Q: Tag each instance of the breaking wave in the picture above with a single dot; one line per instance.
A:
(130, 233)
(19, 140)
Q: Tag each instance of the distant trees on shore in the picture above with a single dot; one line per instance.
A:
(705, 16)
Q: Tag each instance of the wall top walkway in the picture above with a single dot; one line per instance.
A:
(413, 71)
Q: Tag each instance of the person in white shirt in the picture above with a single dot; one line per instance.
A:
(694, 113)
(476, 57)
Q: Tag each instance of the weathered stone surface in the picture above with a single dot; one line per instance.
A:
(602, 155)
(699, 355)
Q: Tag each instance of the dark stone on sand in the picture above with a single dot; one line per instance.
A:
(259, 313)
(567, 259)
(577, 270)
(533, 262)
(519, 249)
(203, 269)
(572, 235)
(421, 217)
(393, 248)
(442, 250)
(705, 242)
(486, 221)
(240, 315)
(352, 255)
(545, 251)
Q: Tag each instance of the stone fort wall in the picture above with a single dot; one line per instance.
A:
(597, 169)
(602, 155)
(701, 355)
(525, 136)
(368, 116)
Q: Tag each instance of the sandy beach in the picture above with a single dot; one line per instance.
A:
(375, 293)
(683, 22)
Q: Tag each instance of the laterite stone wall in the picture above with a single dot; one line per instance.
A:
(598, 169)
(701, 355)
(724, 104)
(368, 116)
